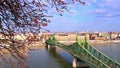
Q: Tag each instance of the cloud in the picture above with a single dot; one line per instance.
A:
(105, 8)
(73, 12)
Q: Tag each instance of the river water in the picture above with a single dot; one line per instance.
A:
(41, 57)
(47, 58)
(111, 50)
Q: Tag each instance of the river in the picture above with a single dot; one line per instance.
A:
(111, 50)
(41, 57)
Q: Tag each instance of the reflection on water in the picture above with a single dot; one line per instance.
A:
(44, 58)
(12, 57)
(33, 57)
(112, 50)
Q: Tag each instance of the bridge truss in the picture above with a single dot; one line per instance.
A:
(88, 53)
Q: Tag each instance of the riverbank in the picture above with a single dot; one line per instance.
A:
(92, 42)
(103, 41)
(36, 44)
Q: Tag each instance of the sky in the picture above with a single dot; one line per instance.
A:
(95, 15)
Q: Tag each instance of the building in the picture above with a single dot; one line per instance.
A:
(97, 36)
(71, 36)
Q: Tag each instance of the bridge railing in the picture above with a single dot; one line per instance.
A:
(101, 56)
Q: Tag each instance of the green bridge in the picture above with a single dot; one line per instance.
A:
(87, 53)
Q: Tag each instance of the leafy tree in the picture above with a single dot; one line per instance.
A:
(28, 16)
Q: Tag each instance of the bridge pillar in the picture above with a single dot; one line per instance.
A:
(76, 64)
(49, 47)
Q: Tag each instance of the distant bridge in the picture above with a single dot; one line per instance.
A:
(85, 52)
